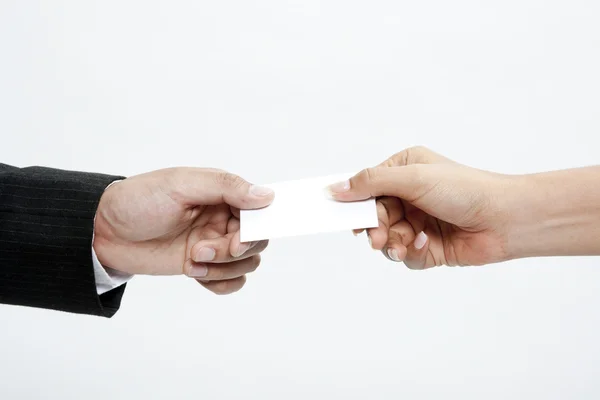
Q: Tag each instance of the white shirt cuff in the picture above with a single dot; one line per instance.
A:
(107, 278)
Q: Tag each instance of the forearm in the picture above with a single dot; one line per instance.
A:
(46, 227)
(555, 214)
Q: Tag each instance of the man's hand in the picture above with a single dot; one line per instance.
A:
(180, 221)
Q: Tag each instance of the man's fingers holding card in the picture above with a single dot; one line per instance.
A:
(207, 272)
(225, 249)
(225, 287)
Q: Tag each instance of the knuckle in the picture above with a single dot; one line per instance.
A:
(254, 263)
(418, 150)
(262, 245)
(240, 282)
(220, 288)
(213, 170)
(412, 155)
(411, 266)
(399, 159)
(370, 181)
(382, 215)
(405, 237)
(230, 180)
(371, 174)
(215, 273)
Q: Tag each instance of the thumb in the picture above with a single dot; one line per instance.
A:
(209, 186)
(408, 182)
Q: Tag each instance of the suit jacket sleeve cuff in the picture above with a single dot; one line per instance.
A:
(46, 228)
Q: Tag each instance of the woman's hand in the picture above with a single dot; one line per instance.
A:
(433, 211)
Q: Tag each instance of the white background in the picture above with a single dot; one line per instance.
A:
(277, 90)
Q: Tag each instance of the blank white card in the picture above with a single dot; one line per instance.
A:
(303, 207)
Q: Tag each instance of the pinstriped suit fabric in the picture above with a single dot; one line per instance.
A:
(46, 227)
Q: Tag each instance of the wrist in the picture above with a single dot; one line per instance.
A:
(554, 214)
(102, 227)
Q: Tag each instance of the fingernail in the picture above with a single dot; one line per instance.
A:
(339, 187)
(420, 240)
(393, 254)
(260, 191)
(370, 240)
(205, 254)
(242, 248)
(198, 271)
(355, 233)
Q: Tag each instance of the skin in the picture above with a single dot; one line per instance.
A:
(433, 211)
(180, 221)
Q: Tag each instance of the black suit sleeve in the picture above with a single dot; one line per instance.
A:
(46, 227)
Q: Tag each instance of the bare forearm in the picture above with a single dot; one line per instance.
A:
(555, 214)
